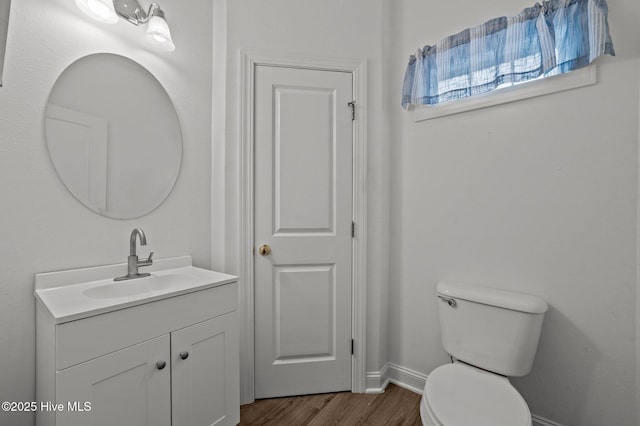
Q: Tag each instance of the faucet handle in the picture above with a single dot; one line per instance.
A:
(146, 262)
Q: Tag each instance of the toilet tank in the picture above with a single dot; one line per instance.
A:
(496, 330)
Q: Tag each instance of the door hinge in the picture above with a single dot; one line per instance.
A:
(353, 345)
(353, 229)
(352, 104)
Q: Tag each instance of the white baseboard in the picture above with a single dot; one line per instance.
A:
(377, 381)
(406, 378)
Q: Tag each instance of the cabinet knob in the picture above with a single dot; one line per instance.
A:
(184, 355)
(160, 365)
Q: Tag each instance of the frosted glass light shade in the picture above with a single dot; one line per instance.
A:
(100, 10)
(158, 29)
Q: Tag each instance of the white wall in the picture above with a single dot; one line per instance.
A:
(537, 196)
(333, 28)
(43, 227)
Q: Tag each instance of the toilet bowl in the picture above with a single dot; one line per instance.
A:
(461, 395)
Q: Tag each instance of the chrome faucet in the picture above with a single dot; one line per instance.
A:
(133, 263)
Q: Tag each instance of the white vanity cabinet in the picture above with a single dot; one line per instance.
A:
(166, 361)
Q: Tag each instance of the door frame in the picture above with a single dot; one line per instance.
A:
(249, 61)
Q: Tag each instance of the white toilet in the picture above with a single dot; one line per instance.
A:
(491, 334)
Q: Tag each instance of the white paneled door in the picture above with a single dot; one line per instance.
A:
(303, 218)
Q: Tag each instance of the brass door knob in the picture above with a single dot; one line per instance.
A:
(264, 250)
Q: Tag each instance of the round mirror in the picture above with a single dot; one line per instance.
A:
(113, 136)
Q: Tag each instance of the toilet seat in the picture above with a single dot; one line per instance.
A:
(458, 395)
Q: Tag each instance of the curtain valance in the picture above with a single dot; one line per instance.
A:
(554, 37)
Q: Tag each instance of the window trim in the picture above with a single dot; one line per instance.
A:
(582, 77)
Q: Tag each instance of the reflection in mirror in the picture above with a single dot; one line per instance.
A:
(5, 5)
(113, 136)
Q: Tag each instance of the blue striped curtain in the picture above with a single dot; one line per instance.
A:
(554, 37)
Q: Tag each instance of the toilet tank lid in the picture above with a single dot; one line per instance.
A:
(494, 297)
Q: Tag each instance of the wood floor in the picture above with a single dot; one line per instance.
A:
(396, 406)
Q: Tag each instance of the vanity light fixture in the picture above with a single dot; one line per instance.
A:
(158, 28)
(108, 11)
(100, 10)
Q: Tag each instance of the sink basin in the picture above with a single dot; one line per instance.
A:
(139, 286)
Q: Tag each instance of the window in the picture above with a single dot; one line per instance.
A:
(542, 41)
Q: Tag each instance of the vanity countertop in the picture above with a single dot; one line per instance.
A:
(80, 293)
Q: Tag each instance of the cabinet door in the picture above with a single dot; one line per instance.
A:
(124, 388)
(205, 381)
